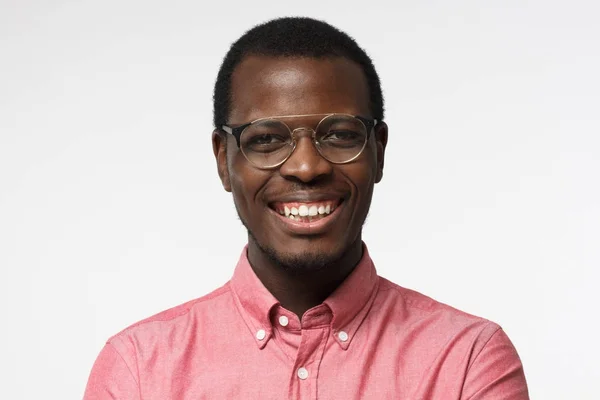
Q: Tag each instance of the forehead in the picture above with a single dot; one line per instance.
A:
(267, 86)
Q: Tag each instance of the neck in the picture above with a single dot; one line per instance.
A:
(301, 291)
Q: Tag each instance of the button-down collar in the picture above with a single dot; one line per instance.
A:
(253, 300)
(353, 299)
(349, 304)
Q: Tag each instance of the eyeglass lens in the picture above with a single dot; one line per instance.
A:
(268, 142)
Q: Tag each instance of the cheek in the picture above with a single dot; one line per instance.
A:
(370, 168)
(364, 173)
(246, 182)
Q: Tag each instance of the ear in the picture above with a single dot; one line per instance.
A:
(381, 138)
(219, 142)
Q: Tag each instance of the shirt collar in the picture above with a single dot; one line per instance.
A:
(253, 300)
(349, 303)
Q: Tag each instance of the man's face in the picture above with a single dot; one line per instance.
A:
(279, 86)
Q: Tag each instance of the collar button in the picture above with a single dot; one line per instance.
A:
(261, 334)
(343, 336)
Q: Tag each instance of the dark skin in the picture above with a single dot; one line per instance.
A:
(300, 269)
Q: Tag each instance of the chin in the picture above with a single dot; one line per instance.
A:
(301, 262)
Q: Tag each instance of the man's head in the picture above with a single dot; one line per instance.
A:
(300, 70)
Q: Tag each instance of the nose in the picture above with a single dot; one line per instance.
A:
(305, 163)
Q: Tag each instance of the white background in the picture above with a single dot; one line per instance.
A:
(111, 209)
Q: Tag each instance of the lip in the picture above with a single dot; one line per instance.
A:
(309, 228)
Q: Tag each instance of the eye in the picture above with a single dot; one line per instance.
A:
(341, 135)
(264, 142)
(265, 139)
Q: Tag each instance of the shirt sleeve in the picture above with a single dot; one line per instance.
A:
(496, 373)
(111, 378)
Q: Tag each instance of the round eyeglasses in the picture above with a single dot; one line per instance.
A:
(269, 142)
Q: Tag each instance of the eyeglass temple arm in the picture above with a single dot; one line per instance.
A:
(235, 132)
(370, 123)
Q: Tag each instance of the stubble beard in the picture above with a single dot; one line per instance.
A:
(298, 264)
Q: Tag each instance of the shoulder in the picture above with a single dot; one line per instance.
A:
(474, 347)
(411, 307)
(176, 319)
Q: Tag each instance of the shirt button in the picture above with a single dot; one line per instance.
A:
(343, 336)
(261, 334)
(302, 373)
(283, 320)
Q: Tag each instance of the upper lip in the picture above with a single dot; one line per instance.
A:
(306, 197)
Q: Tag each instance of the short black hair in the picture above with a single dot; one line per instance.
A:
(293, 37)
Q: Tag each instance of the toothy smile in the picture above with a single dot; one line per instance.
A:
(306, 212)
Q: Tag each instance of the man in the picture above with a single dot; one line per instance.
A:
(300, 141)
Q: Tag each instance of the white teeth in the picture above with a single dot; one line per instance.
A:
(306, 210)
(303, 210)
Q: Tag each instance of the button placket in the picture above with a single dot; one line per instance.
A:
(308, 360)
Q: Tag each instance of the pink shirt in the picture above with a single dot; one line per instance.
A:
(371, 339)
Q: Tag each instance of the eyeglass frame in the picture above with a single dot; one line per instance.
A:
(236, 132)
